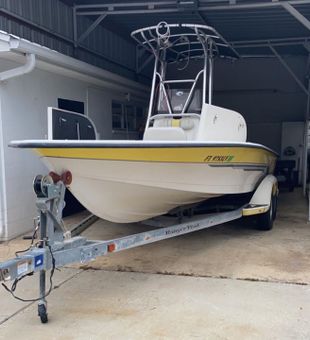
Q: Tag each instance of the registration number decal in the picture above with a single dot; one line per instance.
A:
(219, 158)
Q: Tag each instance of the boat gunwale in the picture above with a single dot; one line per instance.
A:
(96, 144)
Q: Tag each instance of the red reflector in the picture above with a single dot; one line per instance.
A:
(111, 247)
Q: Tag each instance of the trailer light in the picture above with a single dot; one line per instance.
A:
(67, 177)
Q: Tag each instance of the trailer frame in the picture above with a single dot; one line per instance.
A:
(58, 247)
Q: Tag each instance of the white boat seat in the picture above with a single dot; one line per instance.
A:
(185, 123)
(164, 133)
(189, 125)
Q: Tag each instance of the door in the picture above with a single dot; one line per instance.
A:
(292, 145)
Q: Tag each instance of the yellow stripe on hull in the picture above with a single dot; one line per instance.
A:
(209, 155)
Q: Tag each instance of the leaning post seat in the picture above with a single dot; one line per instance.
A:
(213, 124)
(184, 127)
(166, 133)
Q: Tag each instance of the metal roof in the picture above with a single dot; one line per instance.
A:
(15, 48)
(243, 22)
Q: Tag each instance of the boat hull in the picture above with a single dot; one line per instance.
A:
(124, 191)
(134, 181)
(107, 190)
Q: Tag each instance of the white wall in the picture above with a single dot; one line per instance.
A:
(23, 107)
(2, 181)
(24, 102)
(99, 110)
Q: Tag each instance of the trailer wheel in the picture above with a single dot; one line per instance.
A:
(42, 313)
(275, 206)
(265, 220)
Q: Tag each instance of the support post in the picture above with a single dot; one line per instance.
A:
(306, 133)
(75, 42)
(42, 305)
(305, 150)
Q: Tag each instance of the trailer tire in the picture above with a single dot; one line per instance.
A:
(265, 220)
(275, 206)
(42, 313)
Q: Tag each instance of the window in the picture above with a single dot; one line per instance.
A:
(140, 117)
(71, 105)
(130, 117)
(126, 116)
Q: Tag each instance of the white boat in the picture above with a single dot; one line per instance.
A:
(191, 150)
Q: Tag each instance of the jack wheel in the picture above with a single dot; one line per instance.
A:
(42, 313)
(40, 185)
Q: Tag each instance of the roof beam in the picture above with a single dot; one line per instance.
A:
(296, 14)
(172, 6)
(307, 48)
(254, 5)
(271, 41)
(203, 19)
(91, 28)
(130, 11)
(289, 70)
(267, 42)
(58, 36)
(200, 17)
(111, 6)
(146, 62)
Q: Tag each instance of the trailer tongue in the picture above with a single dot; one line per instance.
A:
(58, 247)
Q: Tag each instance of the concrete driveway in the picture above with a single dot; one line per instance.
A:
(227, 282)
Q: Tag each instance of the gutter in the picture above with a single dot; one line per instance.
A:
(6, 45)
(18, 71)
(90, 73)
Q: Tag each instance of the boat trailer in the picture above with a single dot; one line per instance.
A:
(57, 246)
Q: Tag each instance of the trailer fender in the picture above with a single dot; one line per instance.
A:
(264, 192)
(261, 199)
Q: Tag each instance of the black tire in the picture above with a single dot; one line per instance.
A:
(275, 206)
(265, 220)
(42, 313)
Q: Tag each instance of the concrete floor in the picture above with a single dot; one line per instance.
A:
(227, 282)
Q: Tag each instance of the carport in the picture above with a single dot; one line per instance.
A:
(268, 35)
(230, 281)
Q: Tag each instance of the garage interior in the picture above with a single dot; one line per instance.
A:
(230, 281)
